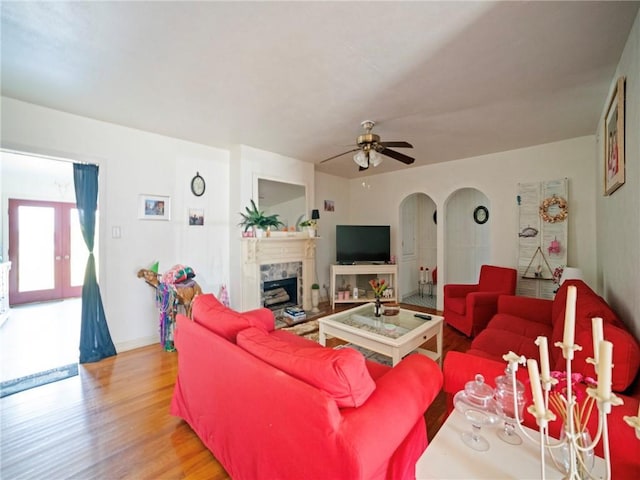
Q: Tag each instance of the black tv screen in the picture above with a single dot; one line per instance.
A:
(363, 243)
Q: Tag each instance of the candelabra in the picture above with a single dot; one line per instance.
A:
(573, 441)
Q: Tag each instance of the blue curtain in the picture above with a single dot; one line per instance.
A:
(95, 340)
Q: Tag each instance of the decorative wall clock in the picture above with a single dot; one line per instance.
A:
(197, 185)
(481, 214)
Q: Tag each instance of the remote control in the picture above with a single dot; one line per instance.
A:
(423, 316)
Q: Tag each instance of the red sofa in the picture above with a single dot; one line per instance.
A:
(515, 326)
(270, 404)
(469, 307)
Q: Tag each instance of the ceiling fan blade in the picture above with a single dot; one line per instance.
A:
(398, 156)
(396, 144)
(339, 155)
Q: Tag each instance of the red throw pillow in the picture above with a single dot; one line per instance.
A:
(626, 356)
(213, 315)
(340, 373)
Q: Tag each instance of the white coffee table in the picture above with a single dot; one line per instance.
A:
(393, 336)
(447, 457)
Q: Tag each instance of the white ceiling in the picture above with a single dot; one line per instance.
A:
(455, 79)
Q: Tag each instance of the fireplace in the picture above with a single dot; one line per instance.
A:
(277, 258)
(278, 294)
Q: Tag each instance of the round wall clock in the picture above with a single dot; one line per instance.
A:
(481, 214)
(197, 185)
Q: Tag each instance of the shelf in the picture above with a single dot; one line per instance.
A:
(387, 271)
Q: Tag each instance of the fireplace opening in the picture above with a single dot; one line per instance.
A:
(281, 293)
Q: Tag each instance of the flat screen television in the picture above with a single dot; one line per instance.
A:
(363, 243)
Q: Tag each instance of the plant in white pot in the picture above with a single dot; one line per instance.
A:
(315, 297)
(257, 220)
(310, 227)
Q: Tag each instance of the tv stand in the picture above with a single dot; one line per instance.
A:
(358, 275)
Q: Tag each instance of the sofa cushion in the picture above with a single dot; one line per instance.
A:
(626, 355)
(588, 306)
(340, 373)
(519, 325)
(213, 315)
(495, 343)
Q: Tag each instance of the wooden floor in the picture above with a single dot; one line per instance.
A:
(112, 421)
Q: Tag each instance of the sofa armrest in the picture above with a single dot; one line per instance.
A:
(459, 368)
(454, 290)
(529, 308)
(262, 318)
(401, 398)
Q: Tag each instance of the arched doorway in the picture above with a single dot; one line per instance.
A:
(418, 248)
(466, 235)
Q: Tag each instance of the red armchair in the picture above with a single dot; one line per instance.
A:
(468, 308)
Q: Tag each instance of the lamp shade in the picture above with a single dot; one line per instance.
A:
(361, 159)
(571, 273)
(315, 214)
(375, 158)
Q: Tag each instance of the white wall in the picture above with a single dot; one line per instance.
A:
(497, 176)
(329, 187)
(467, 242)
(248, 164)
(618, 215)
(133, 162)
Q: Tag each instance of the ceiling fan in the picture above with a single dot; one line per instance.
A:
(370, 149)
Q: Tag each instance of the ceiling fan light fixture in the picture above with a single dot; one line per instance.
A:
(375, 158)
(361, 159)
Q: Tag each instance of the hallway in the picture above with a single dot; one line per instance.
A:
(38, 337)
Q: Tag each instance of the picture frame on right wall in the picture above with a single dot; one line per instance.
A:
(614, 140)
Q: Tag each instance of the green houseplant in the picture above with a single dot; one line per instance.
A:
(257, 219)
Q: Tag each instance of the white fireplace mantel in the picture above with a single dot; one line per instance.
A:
(273, 250)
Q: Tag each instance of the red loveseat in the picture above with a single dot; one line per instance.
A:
(515, 326)
(469, 307)
(270, 404)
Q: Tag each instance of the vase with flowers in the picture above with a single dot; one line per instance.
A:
(556, 276)
(582, 410)
(378, 287)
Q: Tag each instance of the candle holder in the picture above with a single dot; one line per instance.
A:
(572, 442)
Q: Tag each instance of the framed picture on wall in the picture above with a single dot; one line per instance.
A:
(614, 140)
(154, 207)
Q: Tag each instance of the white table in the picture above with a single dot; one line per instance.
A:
(447, 457)
(358, 326)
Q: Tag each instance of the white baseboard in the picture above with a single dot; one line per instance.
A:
(136, 343)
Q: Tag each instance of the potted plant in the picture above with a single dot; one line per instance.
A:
(257, 219)
(315, 297)
(310, 227)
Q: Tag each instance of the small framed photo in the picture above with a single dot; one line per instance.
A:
(196, 216)
(154, 207)
(614, 140)
(329, 206)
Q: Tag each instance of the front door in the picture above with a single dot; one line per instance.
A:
(47, 251)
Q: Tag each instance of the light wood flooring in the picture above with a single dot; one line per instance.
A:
(112, 421)
(39, 337)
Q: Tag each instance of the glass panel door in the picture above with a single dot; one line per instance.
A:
(47, 251)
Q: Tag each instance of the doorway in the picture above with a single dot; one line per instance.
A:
(42, 328)
(419, 250)
(46, 251)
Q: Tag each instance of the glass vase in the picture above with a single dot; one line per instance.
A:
(584, 459)
(378, 306)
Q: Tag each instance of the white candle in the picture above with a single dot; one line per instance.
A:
(604, 369)
(570, 316)
(536, 390)
(598, 336)
(544, 358)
